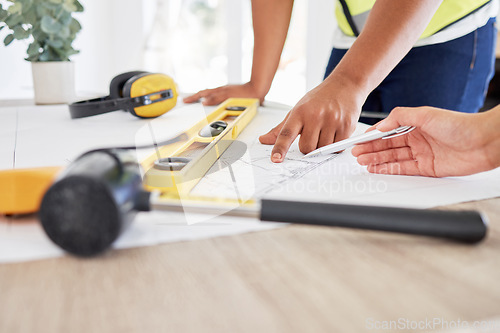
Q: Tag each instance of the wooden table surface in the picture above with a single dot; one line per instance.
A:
(294, 279)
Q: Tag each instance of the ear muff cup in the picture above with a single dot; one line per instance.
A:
(143, 94)
(147, 83)
(118, 82)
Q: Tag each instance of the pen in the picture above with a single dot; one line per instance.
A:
(363, 138)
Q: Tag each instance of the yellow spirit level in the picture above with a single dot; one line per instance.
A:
(176, 168)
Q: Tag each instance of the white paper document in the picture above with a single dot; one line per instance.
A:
(48, 137)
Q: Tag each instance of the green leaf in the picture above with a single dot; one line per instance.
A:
(56, 44)
(45, 56)
(34, 49)
(3, 14)
(45, 8)
(17, 7)
(78, 6)
(50, 25)
(32, 58)
(20, 33)
(65, 19)
(42, 10)
(27, 4)
(38, 34)
(70, 6)
(61, 54)
(56, 1)
(58, 11)
(13, 20)
(50, 55)
(74, 26)
(63, 33)
(8, 39)
(72, 51)
(30, 16)
(3, 26)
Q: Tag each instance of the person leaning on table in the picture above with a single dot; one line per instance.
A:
(408, 53)
(444, 143)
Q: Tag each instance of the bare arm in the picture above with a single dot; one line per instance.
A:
(330, 111)
(444, 143)
(271, 20)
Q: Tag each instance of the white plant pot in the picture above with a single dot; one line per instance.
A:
(53, 82)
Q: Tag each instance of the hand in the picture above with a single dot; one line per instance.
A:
(218, 95)
(326, 114)
(444, 143)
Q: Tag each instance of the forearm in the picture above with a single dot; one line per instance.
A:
(271, 20)
(392, 29)
(491, 132)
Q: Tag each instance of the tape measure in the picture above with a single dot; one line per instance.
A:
(174, 169)
(21, 190)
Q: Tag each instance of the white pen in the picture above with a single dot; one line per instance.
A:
(363, 138)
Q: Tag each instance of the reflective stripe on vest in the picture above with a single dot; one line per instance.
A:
(351, 15)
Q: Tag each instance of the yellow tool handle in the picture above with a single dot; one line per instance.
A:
(22, 190)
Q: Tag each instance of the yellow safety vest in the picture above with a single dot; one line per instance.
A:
(352, 14)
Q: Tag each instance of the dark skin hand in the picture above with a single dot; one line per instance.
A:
(319, 128)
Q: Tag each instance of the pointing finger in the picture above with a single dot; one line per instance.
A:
(270, 137)
(291, 129)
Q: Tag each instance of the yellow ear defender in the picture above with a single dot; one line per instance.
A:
(143, 94)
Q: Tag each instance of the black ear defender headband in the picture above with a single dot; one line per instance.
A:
(143, 94)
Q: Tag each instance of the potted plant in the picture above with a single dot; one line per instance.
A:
(50, 29)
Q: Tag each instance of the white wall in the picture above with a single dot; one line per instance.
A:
(15, 72)
(110, 43)
(320, 26)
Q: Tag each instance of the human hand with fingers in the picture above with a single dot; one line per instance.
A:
(326, 114)
(444, 143)
(218, 95)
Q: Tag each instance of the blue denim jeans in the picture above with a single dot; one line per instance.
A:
(452, 75)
